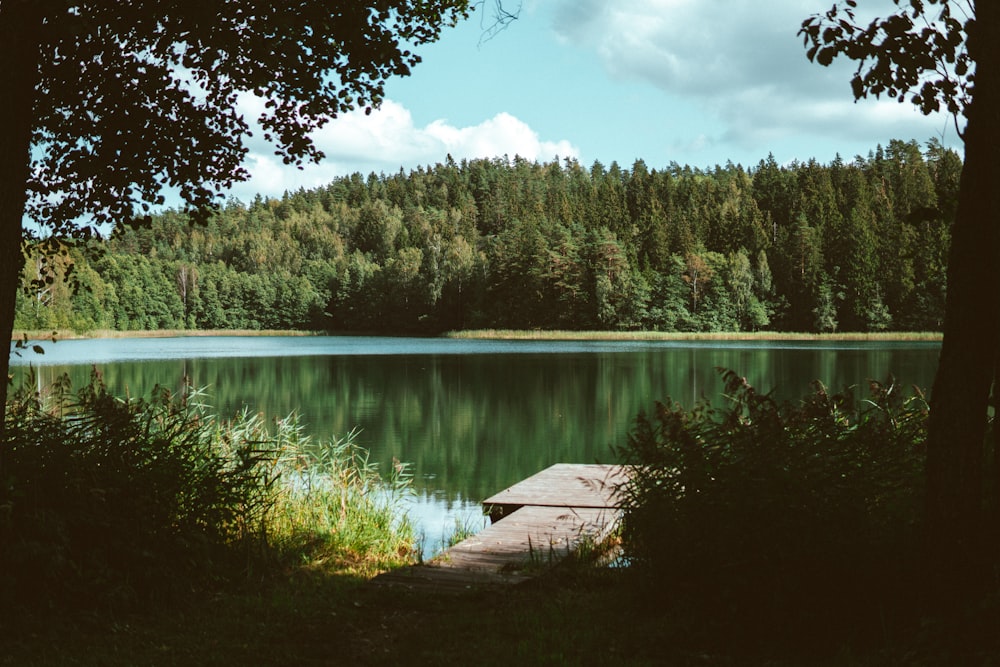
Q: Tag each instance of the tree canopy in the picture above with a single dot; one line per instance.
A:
(134, 97)
(918, 53)
(508, 243)
(108, 105)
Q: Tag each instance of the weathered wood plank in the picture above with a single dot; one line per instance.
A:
(544, 519)
(561, 485)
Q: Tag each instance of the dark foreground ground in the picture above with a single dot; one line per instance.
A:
(568, 618)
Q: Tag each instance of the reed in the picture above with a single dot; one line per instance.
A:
(762, 336)
(335, 506)
(114, 501)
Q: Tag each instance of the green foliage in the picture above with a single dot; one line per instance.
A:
(110, 501)
(310, 63)
(108, 496)
(909, 52)
(335, 500)
(511, 244)
(769, 518)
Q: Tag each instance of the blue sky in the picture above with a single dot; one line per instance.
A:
(697, 82)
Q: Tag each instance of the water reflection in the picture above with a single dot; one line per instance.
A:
(471, 417)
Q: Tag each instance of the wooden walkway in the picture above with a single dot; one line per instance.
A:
(535, 524)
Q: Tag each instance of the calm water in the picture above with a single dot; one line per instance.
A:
(471, 417)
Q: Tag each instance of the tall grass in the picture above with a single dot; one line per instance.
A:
(334, 504)
(544, 334)
(111, 500)
(778, 522)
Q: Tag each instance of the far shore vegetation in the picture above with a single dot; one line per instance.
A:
(513, 334)
(69, 334)
(513, 244)
(510, 334)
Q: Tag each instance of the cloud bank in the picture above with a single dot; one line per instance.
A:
(743, 63)
(386, 141)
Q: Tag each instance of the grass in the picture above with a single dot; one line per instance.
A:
(323, 616)
(112, 504)
(333, 505)
(326, 618)
(763, 336)
(513, 334)
(464, 528)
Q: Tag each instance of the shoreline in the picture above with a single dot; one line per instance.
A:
(512, 334)
(504, 334)
(63, 334)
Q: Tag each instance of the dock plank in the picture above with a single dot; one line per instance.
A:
(561, 485)
(536, 523)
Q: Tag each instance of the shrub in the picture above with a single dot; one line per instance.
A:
(112, 498)
(769, 520)
(108, 500)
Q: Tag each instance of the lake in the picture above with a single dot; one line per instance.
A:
(471, 417)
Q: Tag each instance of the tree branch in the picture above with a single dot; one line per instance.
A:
(502, 18)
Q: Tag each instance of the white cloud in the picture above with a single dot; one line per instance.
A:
(385, 141)
(501, 135)
(742, 62)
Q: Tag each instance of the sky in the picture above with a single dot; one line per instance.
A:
(696, 82)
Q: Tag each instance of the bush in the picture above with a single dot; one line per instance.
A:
(770, 521)
(118, 501)
(112, 498)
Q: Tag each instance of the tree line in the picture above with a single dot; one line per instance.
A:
(512, 243)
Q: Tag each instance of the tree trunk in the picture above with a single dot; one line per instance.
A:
(960, 396)
(993, 499)
(20, 36)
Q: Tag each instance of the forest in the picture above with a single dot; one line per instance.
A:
(857, 245)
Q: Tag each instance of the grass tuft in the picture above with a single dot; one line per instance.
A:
(111, 502)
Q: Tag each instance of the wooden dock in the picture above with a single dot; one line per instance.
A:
(535, 524)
